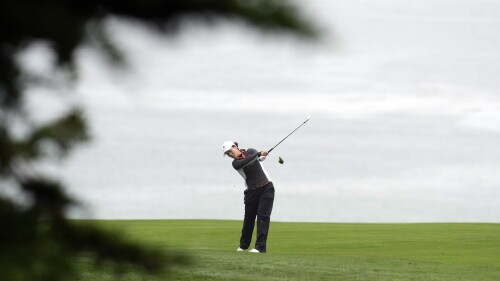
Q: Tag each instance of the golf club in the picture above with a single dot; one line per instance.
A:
(307, 119)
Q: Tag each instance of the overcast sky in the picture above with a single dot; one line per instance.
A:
(405, 120)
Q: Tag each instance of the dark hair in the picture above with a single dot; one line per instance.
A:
(235, 143)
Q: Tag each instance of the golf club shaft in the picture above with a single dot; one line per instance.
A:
(289, 135)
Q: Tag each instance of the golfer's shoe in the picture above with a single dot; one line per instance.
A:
(240, 250)
(254, 251)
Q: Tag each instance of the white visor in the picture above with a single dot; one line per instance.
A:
(226, 146)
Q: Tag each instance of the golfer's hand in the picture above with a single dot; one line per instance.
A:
(264, 153)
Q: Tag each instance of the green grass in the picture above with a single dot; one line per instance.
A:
(318, 251)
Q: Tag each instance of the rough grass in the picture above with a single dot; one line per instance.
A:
(317, 251)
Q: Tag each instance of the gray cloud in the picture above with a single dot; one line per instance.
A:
(405, 119)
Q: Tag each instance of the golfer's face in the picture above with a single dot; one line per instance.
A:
(234, 152)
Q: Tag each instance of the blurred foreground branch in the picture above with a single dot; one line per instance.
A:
(37, 241)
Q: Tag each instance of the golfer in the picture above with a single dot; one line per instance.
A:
(259, 194)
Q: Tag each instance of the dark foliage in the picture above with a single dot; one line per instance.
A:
(37, 241)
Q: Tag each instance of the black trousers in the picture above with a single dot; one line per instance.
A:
(258, 203)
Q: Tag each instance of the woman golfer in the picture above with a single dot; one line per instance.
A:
(259, 194)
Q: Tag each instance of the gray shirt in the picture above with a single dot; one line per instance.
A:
(251, 169)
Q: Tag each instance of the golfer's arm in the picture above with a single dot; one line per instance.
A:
(241, 163)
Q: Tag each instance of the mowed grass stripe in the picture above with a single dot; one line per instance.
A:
(323, 251)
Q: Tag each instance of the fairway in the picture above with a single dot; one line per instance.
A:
(318, 251)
